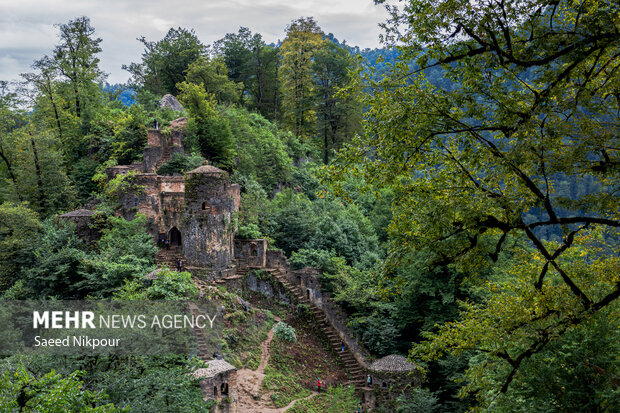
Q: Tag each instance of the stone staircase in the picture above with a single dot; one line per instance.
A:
(168, 257)
(201, 343)
(165, 157)
(356, 375)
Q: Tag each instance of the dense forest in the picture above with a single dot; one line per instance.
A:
(457, 189)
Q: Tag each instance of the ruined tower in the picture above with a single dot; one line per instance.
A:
(208, 222)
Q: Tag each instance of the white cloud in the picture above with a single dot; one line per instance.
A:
(27, 29)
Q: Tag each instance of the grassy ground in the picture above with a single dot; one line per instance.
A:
(239, 337)
(335, 399)
(294, 368)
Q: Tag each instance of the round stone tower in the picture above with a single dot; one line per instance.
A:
(208, 223)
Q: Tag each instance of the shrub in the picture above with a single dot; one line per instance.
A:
(180, 163)
(285, 332)
(249, 231)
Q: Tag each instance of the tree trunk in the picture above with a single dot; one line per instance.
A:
(51, 96)
(11, 174)
(275, 94)
(37, 167)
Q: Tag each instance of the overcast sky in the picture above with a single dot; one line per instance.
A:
(27, 29)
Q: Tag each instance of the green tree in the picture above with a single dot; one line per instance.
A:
(180, 164)
(212, 74)
(164, 62)
(36, 169)
(303, 39)
(77, 61)
(126, 251)
(57, 266)
(19, 227)
(338, 114)
(206, 129)
(50, 105)
(22, 391)
(130, 136)
(534, 99)
(254, 64)
(11, 119)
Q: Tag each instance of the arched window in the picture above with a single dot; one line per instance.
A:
(253, 250)
(224, 389)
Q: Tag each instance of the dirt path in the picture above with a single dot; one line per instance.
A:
(249, 399)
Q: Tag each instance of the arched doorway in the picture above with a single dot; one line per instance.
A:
(224, 389)
(174, 235)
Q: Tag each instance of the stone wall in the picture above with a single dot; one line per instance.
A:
(388, 387)
(339, 320)
(251, 252)
(143, 198)
(222, 388)
(150, 156)
(261, 283)
(308, 279)
(277, 259)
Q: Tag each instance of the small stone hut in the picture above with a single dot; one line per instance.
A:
(218, 381)
(391, 377)
(251, 252)
(82, 218)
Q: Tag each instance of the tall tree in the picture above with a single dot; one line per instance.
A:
(164, 62)
(76, 59)
(52, 107)
(338, 113)
(212, 74)
(303, 38)
(207, 131)
(10, 119)
(534, 100)
(252, 62)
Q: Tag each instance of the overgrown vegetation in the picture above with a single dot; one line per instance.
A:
(461, 194)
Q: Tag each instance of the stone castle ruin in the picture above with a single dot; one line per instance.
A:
(194, 213)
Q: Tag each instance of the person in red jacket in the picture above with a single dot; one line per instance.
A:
(318, 383)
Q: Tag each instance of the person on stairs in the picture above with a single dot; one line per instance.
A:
(167, 243)
(179, 265)
(342, 346)
(318, 383)
(369, 381)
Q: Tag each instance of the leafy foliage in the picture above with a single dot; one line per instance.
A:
(531, 105)
(167, 285)
(164, 62)
(285, 332)
(212, 74)
(18, 227)
(205, 130)
(126, 251)
(180, 163)
(20, 389)
(303, 38)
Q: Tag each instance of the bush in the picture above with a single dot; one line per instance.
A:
(180, 163)
(249, 231)
(285, 332)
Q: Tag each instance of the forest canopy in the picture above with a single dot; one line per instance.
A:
(476, 169)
